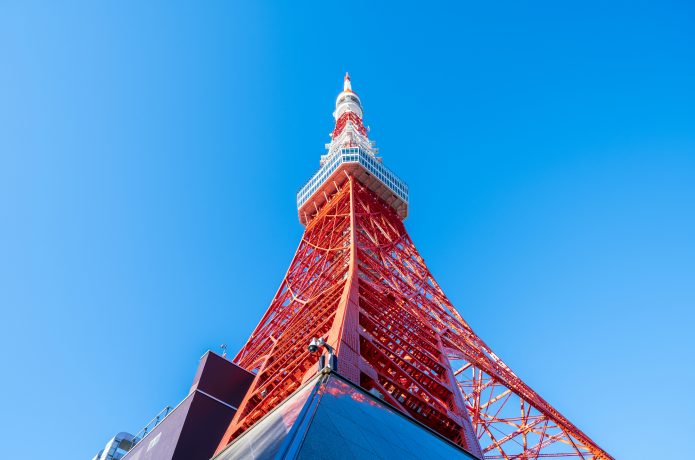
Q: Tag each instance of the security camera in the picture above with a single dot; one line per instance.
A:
(317, 344)
(314, 345)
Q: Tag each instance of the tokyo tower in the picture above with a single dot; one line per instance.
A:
(358, 305)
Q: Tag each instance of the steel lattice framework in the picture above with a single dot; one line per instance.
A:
(358, 281)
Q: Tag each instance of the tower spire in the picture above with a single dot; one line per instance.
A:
(349, 128)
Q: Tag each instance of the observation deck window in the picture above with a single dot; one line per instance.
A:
(354, 155)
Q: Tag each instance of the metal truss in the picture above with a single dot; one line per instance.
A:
(358, 281)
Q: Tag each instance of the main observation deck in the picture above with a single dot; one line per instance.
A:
(363, 166)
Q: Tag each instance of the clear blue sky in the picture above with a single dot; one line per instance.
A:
(150, 154)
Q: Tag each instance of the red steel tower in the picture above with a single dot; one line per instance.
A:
(358, 282)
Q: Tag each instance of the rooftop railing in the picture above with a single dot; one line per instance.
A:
(152, 424)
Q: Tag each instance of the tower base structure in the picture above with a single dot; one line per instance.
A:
(329, 417)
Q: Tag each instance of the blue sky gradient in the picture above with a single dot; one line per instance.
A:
(150, 153)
